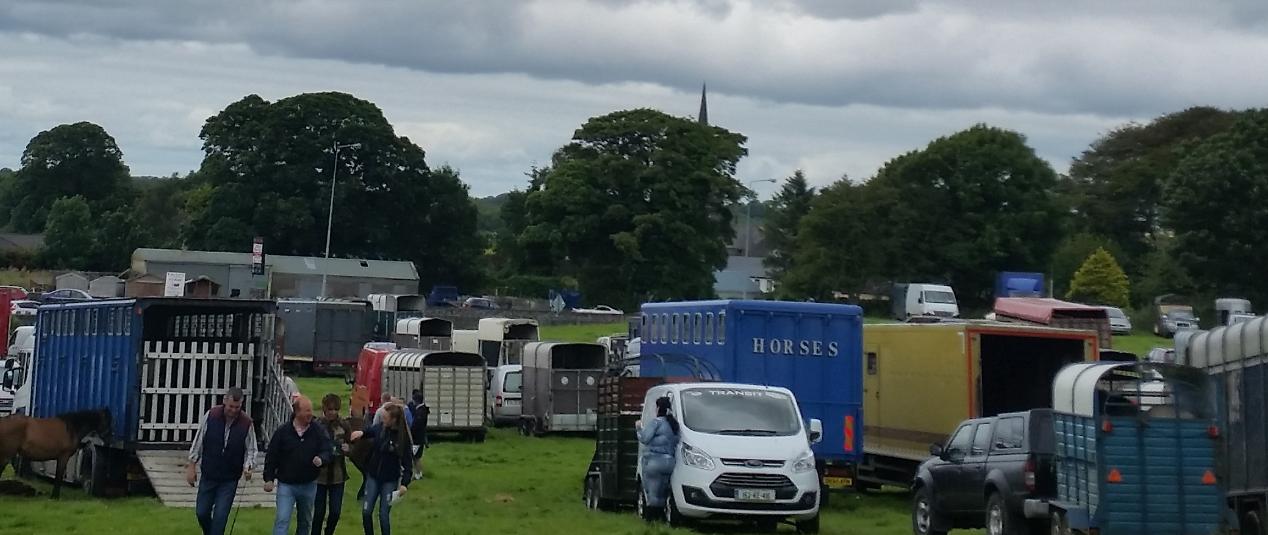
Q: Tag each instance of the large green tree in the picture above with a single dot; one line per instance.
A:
(841, 244)
(1115, 187)
(67, 160)
(267, 171)
(1214, 202)
(783, 218)
(69, 235)
(637, 206)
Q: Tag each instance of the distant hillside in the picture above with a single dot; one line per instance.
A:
(488, 209)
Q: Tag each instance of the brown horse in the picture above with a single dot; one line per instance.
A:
(47, 439)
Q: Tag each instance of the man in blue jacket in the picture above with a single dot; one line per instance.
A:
(295, 454)
(225, 447)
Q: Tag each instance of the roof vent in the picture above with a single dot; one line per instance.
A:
(365, 264)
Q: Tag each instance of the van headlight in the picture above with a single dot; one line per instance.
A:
(804, 464)
(696, 458)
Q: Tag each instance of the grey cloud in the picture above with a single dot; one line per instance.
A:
(1131, 57)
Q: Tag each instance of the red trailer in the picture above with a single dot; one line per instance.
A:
(1055, 313)
(6, 312)
(368, 385)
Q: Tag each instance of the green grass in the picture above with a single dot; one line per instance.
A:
(509, 484)
(582, 333)
(1140, 343)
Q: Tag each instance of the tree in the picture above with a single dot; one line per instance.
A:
(840, 243)
(78, 159)
(68, 236)
(1116, 185)
(267, 171)
(637, 207)
(1214, 201)
(789, 207)
(1070, 254)
(1100, 281)
(115, 235)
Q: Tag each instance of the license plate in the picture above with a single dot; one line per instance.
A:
(755, 495)
(838, 483)
(512, 403)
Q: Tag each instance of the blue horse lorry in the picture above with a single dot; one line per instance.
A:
(812, 349)
(157, 364)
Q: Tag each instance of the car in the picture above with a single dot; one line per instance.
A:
(483, 303)
(15, 293)
(64, 295)
(24, 307)
(1119, 322)
(601, 309)
(988, 474)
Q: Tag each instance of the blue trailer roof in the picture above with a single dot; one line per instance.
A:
(813, 349)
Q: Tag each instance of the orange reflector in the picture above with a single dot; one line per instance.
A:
(849, 434)
(1106, 426)
(1208, 478)
(1114, 476)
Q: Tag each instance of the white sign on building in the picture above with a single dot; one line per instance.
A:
(175, 284)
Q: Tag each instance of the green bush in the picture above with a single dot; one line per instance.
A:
(1100, 281)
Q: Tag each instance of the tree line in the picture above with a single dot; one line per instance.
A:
(638, 205)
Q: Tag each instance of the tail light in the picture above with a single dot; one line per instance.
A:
(1213, 431)
(1208, 478)
(1114, 476)
(1029, 473)
(1106, 426)
(497, 401)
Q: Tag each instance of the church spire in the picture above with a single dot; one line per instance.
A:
(703, 117)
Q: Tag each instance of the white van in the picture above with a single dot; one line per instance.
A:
(743, 451)
(15, 390)
(938, 300)
(506, 384)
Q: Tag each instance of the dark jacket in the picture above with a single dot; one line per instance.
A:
(289, 458)
(419, 429)
(335, 471)
(389, 461)
(222, 460)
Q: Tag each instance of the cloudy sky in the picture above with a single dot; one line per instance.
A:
(491, 87)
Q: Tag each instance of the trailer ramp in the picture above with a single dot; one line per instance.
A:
(166, 471)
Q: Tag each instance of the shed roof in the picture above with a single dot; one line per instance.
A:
(292, 265)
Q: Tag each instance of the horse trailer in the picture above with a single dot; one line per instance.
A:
(388, 310)
(157, 364)
(502, 340)
(453, 387)
(323, 335)
(561, 387)
(434, 334)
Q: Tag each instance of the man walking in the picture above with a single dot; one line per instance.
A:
(293, 459)
(418, 429)
(225, 448)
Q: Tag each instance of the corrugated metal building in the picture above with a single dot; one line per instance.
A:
(285, 276)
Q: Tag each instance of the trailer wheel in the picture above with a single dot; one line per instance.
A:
(1250, 524)
(591, 495)
(481, 435)
(1058, 525)
(93, 467)
(524, 429)
(810, 527)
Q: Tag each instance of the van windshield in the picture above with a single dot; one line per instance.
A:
(939, 297)
(739, 411)
(513, 383)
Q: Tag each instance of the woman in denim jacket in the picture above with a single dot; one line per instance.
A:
(660, 441)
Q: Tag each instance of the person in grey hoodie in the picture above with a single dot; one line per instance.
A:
(660, 441)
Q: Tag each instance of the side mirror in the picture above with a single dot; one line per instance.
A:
(816, 431)
(7, 382)
(935, 450)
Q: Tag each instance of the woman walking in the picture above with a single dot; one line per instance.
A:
(660, 439)
(388, 468)
(332, 477)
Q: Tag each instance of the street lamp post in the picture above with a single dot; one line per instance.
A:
(330, 218)
(748, 221)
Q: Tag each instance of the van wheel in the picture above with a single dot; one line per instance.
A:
(810, 527)
(1250, 524)
(673, 517)
(524, 428)
(1001, 521)
(923, 515)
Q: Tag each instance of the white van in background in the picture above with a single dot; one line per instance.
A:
(15, 389)
(743, 452)
(506, 386)
(910, 300)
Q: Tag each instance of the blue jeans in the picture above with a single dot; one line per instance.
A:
(657, 469)
(382, 492)
(298, 498)
(215, 500)
(334, 495)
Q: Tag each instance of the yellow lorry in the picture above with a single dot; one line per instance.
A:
(921, 380)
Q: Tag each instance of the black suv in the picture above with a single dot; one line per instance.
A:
(984, 474)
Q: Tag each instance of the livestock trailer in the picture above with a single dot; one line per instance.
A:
(387, 310)
(561, 386)
(324, 335)
(1236, 358)
(1050, 312)
(921, 380)
(434, 334)
(502, 340)
(812, 349)
(157, 364)
(452, 384)
(1136, 452)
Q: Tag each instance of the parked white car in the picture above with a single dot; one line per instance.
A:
(601, 309)
(1119, 322)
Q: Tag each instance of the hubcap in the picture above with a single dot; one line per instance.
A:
(922, 515)
(995, 523)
